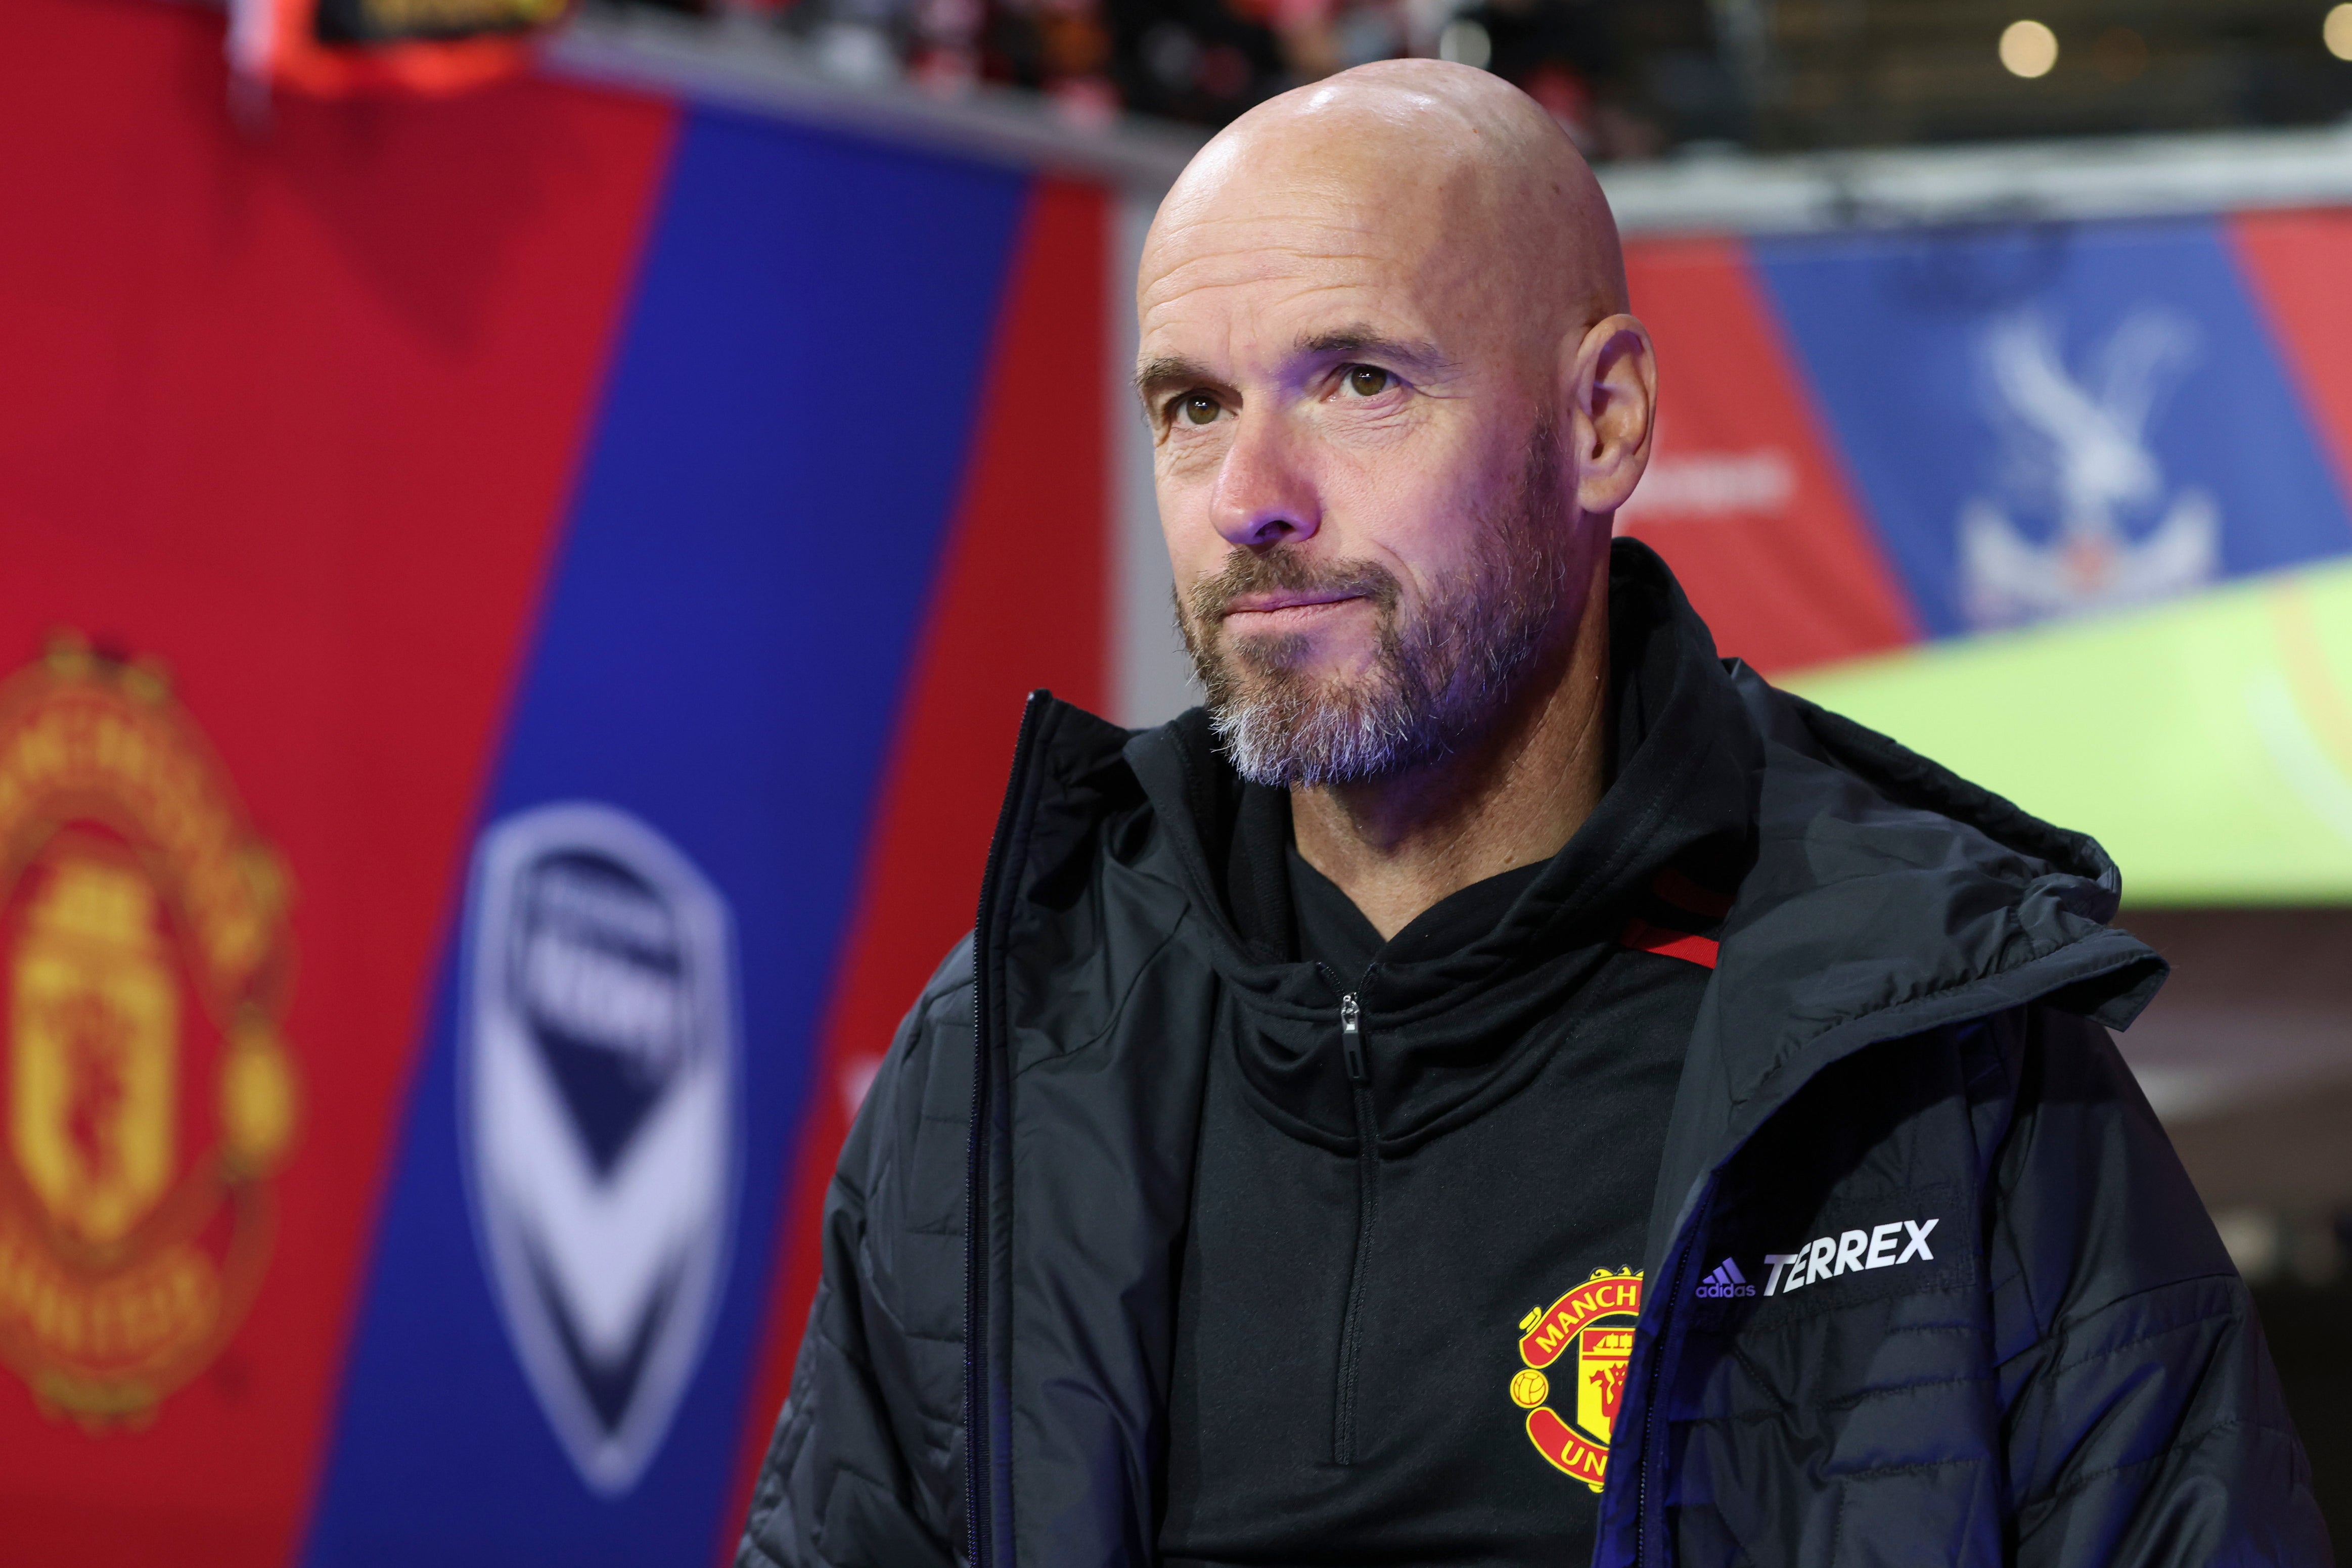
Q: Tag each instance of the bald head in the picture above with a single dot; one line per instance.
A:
(1471, 185)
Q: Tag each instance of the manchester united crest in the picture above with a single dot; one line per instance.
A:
(1587, 1334)
(146, 1089)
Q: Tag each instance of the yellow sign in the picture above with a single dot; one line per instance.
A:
(2206, 742)
(149, 1095)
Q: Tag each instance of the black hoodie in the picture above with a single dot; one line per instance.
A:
(1374, 1218)
(1989, 1321)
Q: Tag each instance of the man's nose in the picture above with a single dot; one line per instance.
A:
(1265, 495)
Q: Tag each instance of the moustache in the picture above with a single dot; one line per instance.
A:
(1287, 571)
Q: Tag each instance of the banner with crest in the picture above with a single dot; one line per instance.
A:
(515, 608)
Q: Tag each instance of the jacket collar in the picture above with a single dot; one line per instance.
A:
(1887, 898)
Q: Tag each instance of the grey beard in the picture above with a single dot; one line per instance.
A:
(1438, 676)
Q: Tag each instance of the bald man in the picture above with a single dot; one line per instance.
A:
(1498, 1084)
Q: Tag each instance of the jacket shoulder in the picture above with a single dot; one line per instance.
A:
(2138, 1398)
(865, 1464)
(916, 1111)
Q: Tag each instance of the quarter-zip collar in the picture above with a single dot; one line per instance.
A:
(1443, 1030)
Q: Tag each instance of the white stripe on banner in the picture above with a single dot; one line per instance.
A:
(1152, 679)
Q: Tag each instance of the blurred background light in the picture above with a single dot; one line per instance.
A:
(2119, 54)
(2028, 49)
(2337, 31)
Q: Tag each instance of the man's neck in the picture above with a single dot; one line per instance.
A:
(1397, 846)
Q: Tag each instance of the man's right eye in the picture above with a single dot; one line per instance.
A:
(1198, 408)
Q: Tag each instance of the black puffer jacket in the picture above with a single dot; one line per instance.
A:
(1974, 1312)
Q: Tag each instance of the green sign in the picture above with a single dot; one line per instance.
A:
(2206, 742)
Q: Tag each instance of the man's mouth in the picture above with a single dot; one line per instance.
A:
(1282, 608)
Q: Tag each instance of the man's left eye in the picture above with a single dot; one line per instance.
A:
(1368, 380)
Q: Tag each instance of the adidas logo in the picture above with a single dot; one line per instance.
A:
(1726, 1282)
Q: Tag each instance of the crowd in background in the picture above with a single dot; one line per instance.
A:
(1626, 79)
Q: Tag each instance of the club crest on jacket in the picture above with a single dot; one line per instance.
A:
(1592, 1329)
(149, 1095)
(600, 1111)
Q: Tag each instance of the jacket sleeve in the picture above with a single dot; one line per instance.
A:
(2142, 1414)
(866, 1469)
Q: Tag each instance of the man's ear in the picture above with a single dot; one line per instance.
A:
(1612, 410)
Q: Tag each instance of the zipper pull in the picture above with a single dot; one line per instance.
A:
(1351, 1040)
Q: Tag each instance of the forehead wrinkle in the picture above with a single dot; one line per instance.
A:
(1375, 243)
(1333, 219)
(1352, 243)
(1302, 289)
(1300, 271)
(1263, 258)
(1309, 315)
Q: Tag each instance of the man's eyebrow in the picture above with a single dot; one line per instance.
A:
(1365, 342)
(1167, 373)
(1172, 372)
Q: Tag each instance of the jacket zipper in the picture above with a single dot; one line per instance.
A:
(1368, 1166)
(978, 1491)
(1655, 1370)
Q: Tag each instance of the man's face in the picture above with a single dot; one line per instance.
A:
(1358, 471)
